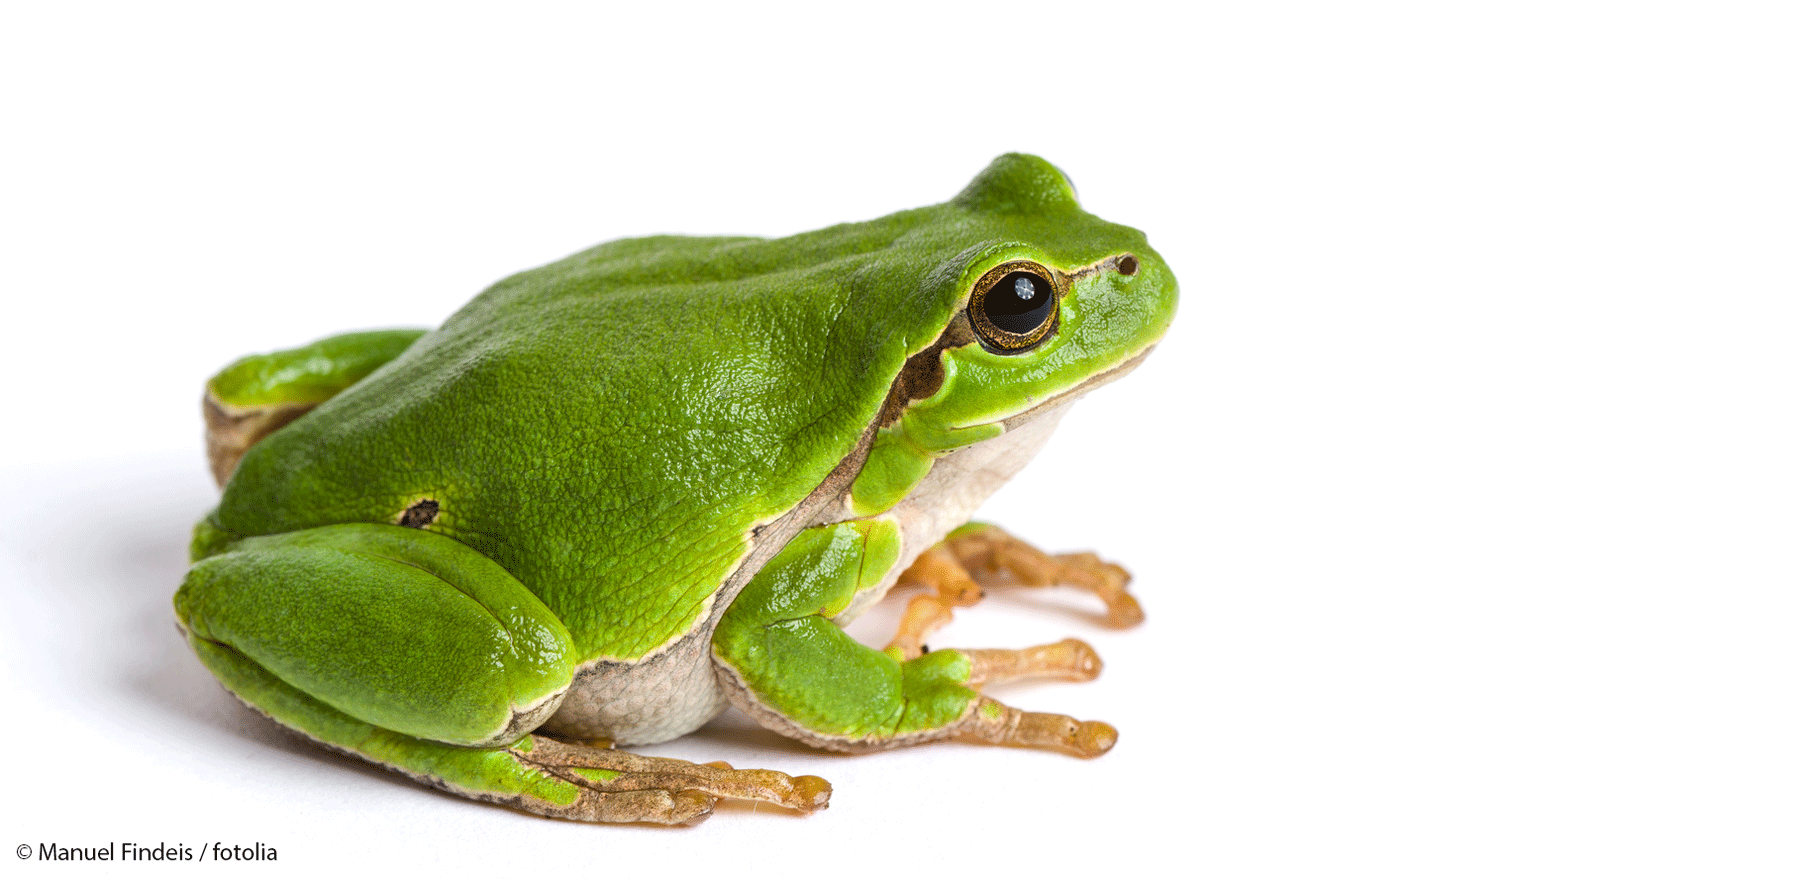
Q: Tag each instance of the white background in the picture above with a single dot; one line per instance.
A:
(1472, 496)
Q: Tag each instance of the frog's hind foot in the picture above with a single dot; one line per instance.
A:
(977, 556)
(622, 787)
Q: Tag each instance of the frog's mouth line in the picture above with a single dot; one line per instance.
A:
(1068, 397)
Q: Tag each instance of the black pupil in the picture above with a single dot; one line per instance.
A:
(1019, 302)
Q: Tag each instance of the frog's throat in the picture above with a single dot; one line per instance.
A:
(1070, 396)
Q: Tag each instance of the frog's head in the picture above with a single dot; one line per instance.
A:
(1048, 301)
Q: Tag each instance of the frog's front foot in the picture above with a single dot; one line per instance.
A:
(621, 787)
(992, 722)
(782, 658)
(977, 556)
(995, 723)
(959, 569)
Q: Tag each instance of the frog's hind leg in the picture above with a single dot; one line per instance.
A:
(977, 556)
(411, 650)
(535, 774)
(260, 394)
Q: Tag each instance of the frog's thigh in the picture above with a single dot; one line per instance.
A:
(260, 394)
(785, 662)
(534, 774)
(411, 650)
(407, 630)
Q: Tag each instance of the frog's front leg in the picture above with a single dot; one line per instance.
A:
(980, 555)
(783, 659)
(411, 650)
(260, 394)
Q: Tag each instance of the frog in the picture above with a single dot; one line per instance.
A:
(614, 495)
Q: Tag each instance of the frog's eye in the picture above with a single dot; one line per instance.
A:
(1013, 306)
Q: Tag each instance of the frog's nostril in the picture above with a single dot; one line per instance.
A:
(420, 514)
(1128, 265)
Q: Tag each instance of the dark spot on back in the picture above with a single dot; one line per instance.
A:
(420, 515)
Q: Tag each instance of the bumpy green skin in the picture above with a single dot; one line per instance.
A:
(607, 434)
(481, 645)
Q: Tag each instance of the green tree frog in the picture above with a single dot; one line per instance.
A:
(614, 494)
